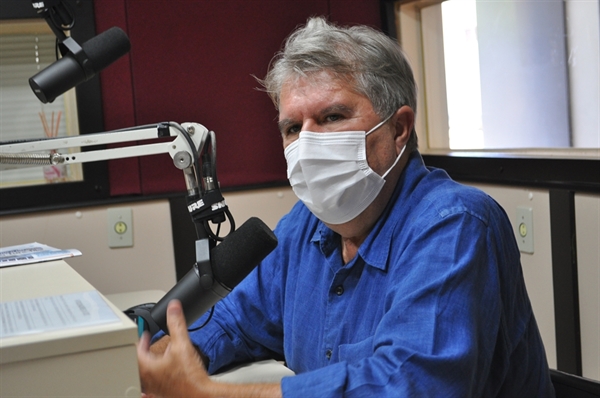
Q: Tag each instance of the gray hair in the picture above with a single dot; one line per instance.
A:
(370, 61)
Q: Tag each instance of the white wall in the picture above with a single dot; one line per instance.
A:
(150, 263)
(267, 204)
(587, 219)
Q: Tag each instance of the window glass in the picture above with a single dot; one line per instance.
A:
(519, 74)
(25, 49)
(463, 85)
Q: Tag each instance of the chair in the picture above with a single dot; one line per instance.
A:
(567, 385)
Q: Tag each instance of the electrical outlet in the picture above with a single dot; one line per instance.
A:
(120, 227)
(525, 229)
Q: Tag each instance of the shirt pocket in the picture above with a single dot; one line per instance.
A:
(356, 351)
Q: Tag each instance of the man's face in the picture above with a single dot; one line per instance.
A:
(321, 103)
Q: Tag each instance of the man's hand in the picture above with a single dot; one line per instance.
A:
(179, 370)
(160, 346)
(174, 367)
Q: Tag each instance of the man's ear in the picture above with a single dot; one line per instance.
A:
(405, 121)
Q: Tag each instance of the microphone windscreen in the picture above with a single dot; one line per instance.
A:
(105, 48)
(241, 251)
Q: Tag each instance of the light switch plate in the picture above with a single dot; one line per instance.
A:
(525, 229)
(120, 227)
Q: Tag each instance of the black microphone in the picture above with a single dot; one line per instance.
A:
(230, 262)
(76, 67)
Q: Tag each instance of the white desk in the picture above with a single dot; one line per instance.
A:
(98, 360)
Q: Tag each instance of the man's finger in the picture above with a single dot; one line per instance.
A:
(176, 321)
(143, 344)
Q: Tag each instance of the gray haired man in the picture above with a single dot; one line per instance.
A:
(390, 279)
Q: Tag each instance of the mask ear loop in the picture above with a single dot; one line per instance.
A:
(379, 125)
(395, 162)
(401, 152)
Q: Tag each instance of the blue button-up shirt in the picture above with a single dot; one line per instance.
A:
(434, 304)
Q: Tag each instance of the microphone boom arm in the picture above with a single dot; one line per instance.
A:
(187, 143)
(179, 149)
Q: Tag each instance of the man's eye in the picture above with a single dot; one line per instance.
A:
(293, 130)
(333, 118)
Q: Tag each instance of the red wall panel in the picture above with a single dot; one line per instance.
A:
(117, 99)
(351, 12)
(194, 61)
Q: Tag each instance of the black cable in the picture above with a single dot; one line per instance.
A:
(56, 48)
(212, 311)
(213, 157)
(62, 17)
(216, 237)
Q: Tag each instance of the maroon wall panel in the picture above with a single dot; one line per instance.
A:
(351, 12)
(194, 61)
(117, 99)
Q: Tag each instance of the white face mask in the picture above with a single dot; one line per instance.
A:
(330, 174)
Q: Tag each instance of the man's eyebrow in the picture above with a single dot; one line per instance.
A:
(284, 124)
(336, 108)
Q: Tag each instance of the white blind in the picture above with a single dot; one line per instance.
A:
(21, 57)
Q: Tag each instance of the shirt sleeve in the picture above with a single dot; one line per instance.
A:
(445, 320)
(246, 325)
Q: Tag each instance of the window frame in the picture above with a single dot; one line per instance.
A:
(568, 168)
(95, 184)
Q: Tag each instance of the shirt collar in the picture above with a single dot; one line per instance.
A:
(375, 250)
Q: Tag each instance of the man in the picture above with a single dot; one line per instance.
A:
(389, 279)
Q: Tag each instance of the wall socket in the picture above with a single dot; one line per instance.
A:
(120, 227)
(525, 229)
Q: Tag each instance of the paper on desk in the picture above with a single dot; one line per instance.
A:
(33, 253)
(44, 314)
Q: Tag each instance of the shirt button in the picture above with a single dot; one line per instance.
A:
(328, 354)
(339, 290)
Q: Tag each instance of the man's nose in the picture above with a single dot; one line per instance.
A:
(312, 125)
